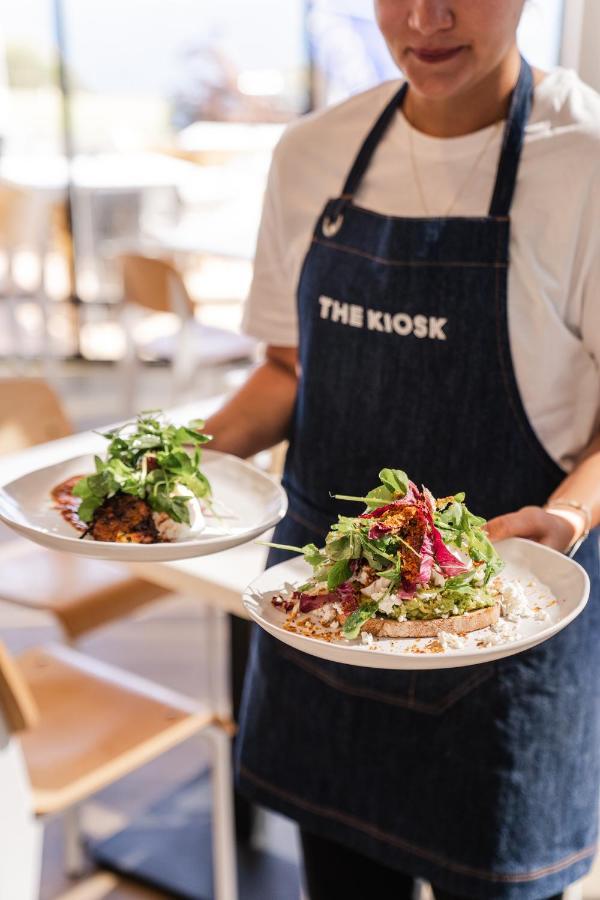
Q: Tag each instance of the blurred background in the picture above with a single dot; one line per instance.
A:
(145, 127)
(135, 141)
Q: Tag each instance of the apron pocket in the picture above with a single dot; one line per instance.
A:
(432, 692)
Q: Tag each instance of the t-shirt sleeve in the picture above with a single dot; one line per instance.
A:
(270, 309)
(587, 263)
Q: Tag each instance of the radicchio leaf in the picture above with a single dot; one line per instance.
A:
(378, 530)
(427, 560)
(346, 594)
(446, 560)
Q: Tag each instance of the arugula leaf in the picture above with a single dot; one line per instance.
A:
(460, 527)
(312, 555)
(371, 499)
(338, 574)
(87, 508)
(394, 484)
(355, 620)
(378, 496)
(148, 459)
(395, 480)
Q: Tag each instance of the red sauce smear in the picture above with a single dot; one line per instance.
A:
(66, 503)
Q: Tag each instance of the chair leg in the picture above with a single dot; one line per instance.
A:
(223, 830)
(184, 363)
(129, 365)
(216, 648)
(74, 856)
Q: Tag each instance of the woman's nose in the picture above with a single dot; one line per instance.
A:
(429, 16)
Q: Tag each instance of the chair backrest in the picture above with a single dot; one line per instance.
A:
(155, 284)
(17, 705)
(23, 222)
(30, 413)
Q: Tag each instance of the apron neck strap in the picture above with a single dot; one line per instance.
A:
(368, 148)
(512, 143)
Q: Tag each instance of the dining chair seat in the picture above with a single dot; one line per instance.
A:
(95, 725)
(80, 593)
(71, 725)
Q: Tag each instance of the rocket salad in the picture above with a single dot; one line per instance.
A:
(406, 558)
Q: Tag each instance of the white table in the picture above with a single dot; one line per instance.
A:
(49, 175)
(229, 137)
(129, 179)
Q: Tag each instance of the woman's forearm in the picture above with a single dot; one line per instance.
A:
(259, 414)
(582, 485)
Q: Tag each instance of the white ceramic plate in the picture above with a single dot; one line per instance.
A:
(568, 589)
(248, 502)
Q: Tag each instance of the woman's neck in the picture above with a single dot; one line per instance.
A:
(470, 110)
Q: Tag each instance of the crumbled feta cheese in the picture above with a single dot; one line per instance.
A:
(503, 632)
(377, 589)
(437, 578)
(364, 576)
(386, 604)
(451, 641)
(324, 615)
(366, 637)
(514, 603)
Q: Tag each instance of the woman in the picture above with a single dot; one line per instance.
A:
(447, 322)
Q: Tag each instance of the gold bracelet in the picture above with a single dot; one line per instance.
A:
(586, 513)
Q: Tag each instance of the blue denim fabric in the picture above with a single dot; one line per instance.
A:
(482, 779)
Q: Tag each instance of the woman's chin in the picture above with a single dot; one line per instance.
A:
(440, 81)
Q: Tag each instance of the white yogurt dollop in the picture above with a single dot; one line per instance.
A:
(170, 530)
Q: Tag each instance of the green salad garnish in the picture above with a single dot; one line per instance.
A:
(149, 458)
(428, 558)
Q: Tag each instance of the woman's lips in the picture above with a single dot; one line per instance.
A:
(431, 55)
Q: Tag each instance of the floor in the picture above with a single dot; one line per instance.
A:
(164, 642)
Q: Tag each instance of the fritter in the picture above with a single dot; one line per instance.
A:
(124, 519)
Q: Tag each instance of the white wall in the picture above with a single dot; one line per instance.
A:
(581, 39)
(589, 63)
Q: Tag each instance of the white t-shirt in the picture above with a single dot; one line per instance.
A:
(554, 272)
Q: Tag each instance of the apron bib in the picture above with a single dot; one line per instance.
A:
(483, 779)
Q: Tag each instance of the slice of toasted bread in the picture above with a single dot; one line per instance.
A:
(418, 628)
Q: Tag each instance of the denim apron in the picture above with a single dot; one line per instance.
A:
(483, 779)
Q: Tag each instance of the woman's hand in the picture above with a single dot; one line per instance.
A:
(534, 523)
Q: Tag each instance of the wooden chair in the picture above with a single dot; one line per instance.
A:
(80, 593)
(69, 727)
(156, 285)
